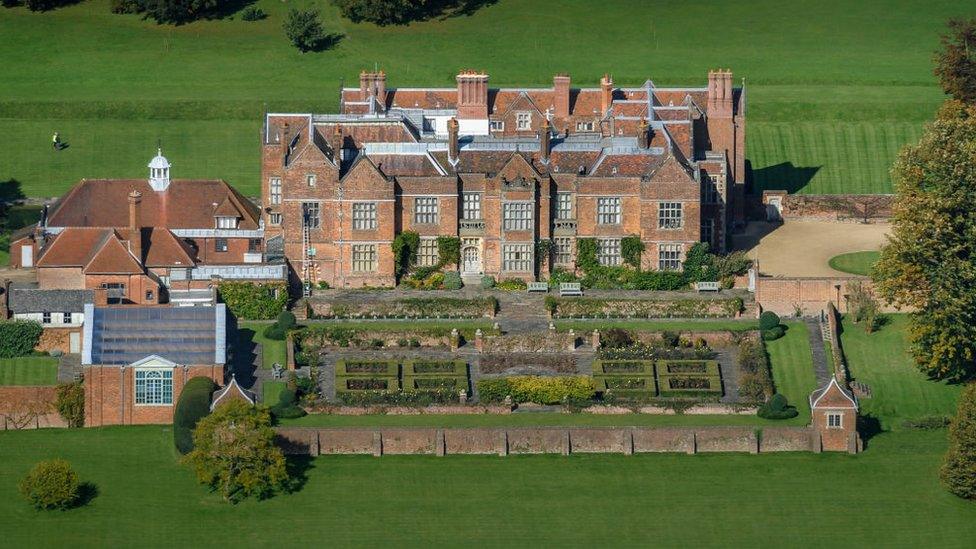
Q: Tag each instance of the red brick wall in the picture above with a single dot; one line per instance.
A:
(56, 339)
(781, 295)
(110, 400)
(28, 407)
(835, 439)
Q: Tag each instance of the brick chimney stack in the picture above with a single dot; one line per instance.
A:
(373, 83)
(643, 136)
(285, 137)
(135, 225)
(606, 93)
(472, 99)
(560, 95)
(337, 143)
(453, 147)
(720, 93)
(544, 140)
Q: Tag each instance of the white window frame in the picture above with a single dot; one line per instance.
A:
(310, 207)
(364, 258)
(830, 420)
(364, 216)
(274, 190)
(428, 254)
(517, 216)
(669, 257)
(425, 210)
(564, 206)
(471, 206)
(609, 210)
(563, 250)
(274, 219)
(157, 387)
(670, 216)
(517, 258)
(608, 252)
(584, 126)
(226, 222)
(523, 121)
(497, 125)
(311, 179)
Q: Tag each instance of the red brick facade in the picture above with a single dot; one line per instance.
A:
(564, 163)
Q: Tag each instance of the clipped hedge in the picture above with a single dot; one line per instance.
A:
(18, 337)
(368, 368)
(623, 367)
(689, 386)
(414, 307)
(254, 301)
(192, 406)
(538, 389)
(644, 308)
(439, 368)
(690, 367)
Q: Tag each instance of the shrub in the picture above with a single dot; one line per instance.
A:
(512, 284)
(670, 339)
(286, 319)
(538, 389)
(177, 11)
(234, 452)
(631, 249)
(452, 280)
(662, 281)
(323, 285)
(777, 408)
(70, 403)
(253, 13)
(493, 389)
(551, 304)
(559, 276)
(768, 320)
(51, 484)
(615, 338)
(773, 333)
(405, 246)
(193, 405)
(755, 381)
(487, 282)
(448, 251)
(699, 264)
(287, 406)
(18, 337)
(304, 29)
(273, 331)
(958, 471)
(126, 6)
(254, 301)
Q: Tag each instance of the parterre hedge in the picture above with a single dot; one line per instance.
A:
(414, 307)
(422, 382)
(537, 389)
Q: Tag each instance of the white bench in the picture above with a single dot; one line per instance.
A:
(707, 286)
(570, 289)
(538, 287)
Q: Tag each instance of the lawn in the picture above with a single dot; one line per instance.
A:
(900, 391)
(271, 392)
(29, 370)
(859, 263)
(792, 365)
(658, 325)
(834, 87)
(886, 497)
(272, 350)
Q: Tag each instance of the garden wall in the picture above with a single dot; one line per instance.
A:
(28, 407)
(835, 207)
(811, 294)
(543, 440)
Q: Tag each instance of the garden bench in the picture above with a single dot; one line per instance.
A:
(538, 287)
(276, 371)
(707, 286)
(570, 289)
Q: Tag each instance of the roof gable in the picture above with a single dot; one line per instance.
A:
(832, 395)
(516, 167)
(161, 248)
(113, 257)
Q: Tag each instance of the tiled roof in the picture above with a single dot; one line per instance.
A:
(73, 247)
(185, 204)
(106, 250)
(404, 164)
(161, 248)
(112, 256)
(34, 300)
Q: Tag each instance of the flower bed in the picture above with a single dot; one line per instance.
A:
(623, 367)
(372, 368)
(415, 307)
(455, 384)
(539, 342)
(537, 389)
(689, 385)
(643, 308)
(434, 367)
(397, 398)
(564, 363)
(640, 351)
(699, 367)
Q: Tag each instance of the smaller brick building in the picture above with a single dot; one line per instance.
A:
(137, 359)
(834, 412)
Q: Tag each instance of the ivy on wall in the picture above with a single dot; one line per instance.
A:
(254, 301)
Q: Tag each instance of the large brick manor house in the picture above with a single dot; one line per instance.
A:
(502, 169)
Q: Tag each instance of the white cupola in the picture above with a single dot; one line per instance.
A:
(159, 172)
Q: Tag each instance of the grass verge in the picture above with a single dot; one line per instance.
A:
(29, 370)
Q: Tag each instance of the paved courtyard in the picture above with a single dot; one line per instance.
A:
(803, 248)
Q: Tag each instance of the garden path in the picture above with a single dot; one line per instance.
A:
(69, 368)
(820, 367)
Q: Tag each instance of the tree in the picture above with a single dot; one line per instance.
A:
(304, 30)
(864, 307)
(234, 452)
(70, 403)
(18, 337)
(382, 12)
(955, 64)
(930, 261)
(176, 12)
(51, 484)
(959, 469)
(193, 405)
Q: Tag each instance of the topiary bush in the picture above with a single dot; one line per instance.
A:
(286, 319)
(487, 282)
(193, 405)
(773, 333)
(768, 320)
(51, 484)
(452, 280)
(958, 471)
(777, 408)
(287, 406)
(18, 337)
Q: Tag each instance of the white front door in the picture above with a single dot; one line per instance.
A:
(471, 260)
(27, 256)
(74, 342)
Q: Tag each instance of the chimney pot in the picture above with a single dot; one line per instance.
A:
(606, 93)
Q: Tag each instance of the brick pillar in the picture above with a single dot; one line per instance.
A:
(479, 343)
(595, 339)
(502, 443)
(455, 340)
(439, 443)
(572, 341)
(377, 443)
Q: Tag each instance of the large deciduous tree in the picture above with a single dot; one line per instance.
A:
(959, 469)
(955, 63)
(930, 262)
(234, 452)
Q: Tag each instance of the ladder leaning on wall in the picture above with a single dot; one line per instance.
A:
(306, 257)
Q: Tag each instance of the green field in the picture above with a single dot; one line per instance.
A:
(29, 370)
(834, 87)
(886, 497)
(792, 366)
(900, 391)
(859, 263)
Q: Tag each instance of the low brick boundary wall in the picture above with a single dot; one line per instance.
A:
(544, 440)
(28, 407)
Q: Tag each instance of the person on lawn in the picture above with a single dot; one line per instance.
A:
(56, 141)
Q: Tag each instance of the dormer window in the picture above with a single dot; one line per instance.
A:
(584, 126)
(226, 222)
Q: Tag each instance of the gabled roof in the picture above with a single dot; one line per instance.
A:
(185, 204)
(832, 395)
(34, 300)
(227, 209)
(231, 391)
(161, 248)
(73, 247)
(112, 256)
